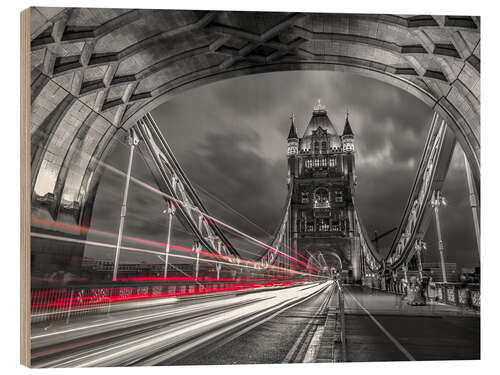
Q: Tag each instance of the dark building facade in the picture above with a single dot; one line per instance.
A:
(321, 176)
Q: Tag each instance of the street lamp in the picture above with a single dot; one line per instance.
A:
(438, 200)
(170, 211)
(419, 247)
(133, 141)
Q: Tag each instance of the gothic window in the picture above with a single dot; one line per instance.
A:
(339, 196)
(323, 147)
(332, 162)
(321, 195)
(305, 197)
(323, 162)
(316, 162)
(309, 163)
(316, 147)
(323, 225)
(310, 226)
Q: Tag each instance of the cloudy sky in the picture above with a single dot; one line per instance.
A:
(230, 138)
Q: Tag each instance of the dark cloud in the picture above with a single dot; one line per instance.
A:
(230, 166)
(230, 137)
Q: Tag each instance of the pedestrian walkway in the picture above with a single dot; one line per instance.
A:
(382, 302)
(381, 326)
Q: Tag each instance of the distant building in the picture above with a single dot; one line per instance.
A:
(470, 275)
(103, 269)
(433, 269)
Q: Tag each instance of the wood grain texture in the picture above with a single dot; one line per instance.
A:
(25, 188)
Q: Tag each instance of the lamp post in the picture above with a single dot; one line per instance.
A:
(197, 248)
(473, 205)
(405, 272)
(170, 211)
(133, 140)
(437, 201)
(419, 246)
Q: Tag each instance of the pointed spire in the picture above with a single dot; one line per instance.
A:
(347, 126)
(292, 134)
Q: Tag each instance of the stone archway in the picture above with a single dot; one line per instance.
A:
(97, 71)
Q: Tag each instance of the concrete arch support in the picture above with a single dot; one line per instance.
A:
(96, 71)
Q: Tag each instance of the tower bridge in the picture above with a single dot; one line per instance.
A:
(321, 172)
(96, 74)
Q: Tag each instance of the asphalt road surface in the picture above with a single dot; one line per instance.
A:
(292, 336)
(290, 325)
(380, 326)
(153, 334)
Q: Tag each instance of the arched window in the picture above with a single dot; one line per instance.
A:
(323, 225)
(305, 197)
(310, 226)
(316, 147)
(323, 147)
(339, 196)
(321, 195)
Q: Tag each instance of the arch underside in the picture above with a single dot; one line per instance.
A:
(331, 258)
(95, 72)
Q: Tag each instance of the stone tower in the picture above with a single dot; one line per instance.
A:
(321, 174)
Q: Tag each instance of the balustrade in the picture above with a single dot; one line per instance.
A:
(466, 295)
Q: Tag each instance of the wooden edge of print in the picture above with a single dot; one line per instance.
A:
(25, 350)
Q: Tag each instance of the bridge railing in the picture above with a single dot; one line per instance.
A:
(457, 294)
(75, 302)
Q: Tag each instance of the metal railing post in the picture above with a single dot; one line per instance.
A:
(70, 303)
(133, 141)
(342, 321)
(198, 248)
(218, 266)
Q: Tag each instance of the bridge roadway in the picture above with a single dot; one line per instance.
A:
(380, 326)
(294, 324)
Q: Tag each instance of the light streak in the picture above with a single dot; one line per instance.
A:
(245, 264)
(85, 230)
(188, 206)
(95, 299)
(78, 229)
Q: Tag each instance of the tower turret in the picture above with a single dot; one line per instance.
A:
(293, 139)
(347, 136)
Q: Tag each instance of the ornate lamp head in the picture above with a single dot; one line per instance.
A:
(319, 107)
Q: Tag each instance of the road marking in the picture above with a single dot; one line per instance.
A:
(312, 350)
(245, 330)
(391, 337)
(300, 339)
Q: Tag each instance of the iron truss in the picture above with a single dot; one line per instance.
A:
(172, 181)
(430, 176)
